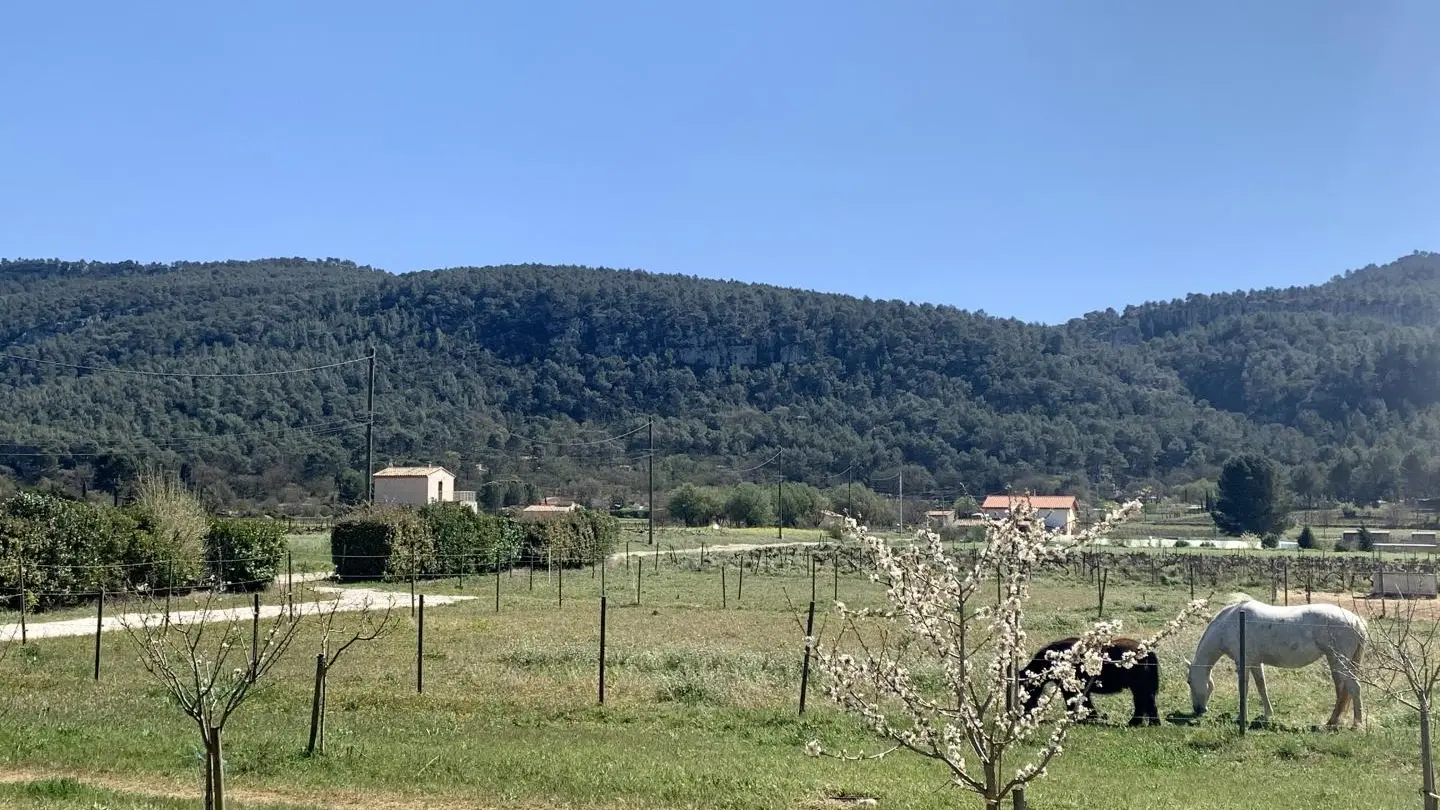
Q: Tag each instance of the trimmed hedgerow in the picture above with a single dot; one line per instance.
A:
(244, 554)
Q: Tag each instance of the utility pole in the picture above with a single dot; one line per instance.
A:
(849, 504)
(779, 511)
(902, 499)
(650, 469)
(370, 432)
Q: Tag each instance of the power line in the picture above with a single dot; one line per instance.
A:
(758, 466)
(188, 374)
(317, 429)
(571, 444)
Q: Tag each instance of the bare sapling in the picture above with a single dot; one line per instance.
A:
(935, 672)
(334, 641)
(207, 663)
(1404, 664)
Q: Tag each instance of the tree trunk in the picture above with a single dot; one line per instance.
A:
(209, 778)
(1427, 760)
(216, 769)
(992, 786)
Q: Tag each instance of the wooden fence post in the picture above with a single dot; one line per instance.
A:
(805, 667)
(24, 603)
(315, 704)
(602, 650)
(255, 636)
(420, 648)
(99, 624)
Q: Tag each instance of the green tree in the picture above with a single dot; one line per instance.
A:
(750, 505)
(864, 504)
(695, 506)
(965, 506)
(1252, 497)
(1306, 540)
(800, 505)
(1306, 481)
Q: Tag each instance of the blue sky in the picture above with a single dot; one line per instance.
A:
(1036, 160)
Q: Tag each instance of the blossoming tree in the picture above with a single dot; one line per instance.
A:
(967, 624)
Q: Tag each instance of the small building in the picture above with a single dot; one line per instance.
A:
(937, 519)
(1058, 511)
(541, 511)
(418, 486)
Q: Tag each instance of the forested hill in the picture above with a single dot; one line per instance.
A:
(526, 370)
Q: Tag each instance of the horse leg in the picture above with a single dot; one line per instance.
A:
(1146, 711)
(1258, 671)
(1340, 699)
(1342, 689)
(1347, 685)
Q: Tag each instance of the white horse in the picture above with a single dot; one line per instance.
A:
(1287, 637)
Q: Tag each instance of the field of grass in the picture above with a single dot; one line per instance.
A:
(700, 711)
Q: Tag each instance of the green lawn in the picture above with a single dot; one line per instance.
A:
(700, 712)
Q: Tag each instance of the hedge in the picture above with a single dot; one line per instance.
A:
(69, 549)
(577, 538)
(244, 554)
(469, 542)
(381, 542)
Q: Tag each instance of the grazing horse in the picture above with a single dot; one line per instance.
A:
(1142, 678)
(1286, 637)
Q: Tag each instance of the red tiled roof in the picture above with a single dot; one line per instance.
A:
(1036, 501)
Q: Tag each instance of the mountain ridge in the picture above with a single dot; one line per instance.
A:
(1342, 374)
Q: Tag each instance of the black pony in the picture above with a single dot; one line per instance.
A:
(1142, 678)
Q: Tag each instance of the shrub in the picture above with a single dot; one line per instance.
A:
(68, 549)
(1306, 538)
(381, 542)
(245, 554)
(574, 539)
(1270, 541)
(1367, 543)
(468, 541)
(1182, 543)
(170, 551)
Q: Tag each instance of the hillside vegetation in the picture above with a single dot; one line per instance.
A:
(525, 370)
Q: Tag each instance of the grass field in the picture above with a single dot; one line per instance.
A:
(700, 712)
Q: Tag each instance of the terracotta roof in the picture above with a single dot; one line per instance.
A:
(409, 472)
(1036, 501)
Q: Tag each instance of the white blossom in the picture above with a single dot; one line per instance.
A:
(967, 622)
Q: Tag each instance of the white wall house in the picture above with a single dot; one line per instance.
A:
(1058, 511)
(417, 486)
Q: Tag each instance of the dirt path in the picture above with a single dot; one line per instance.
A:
(153, 787)
(1367, 606)
(350, 599)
